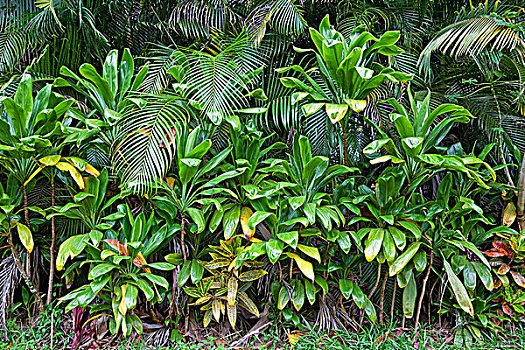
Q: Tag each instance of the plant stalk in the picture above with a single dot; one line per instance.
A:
(52, 248)
(423, 289)
(521, 197)
(382, 299)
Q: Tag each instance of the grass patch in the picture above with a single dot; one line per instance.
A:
(375, 338)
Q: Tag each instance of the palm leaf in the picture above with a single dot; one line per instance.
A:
(144, 146)
(471, 37)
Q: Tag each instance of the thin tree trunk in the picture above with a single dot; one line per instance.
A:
(27, 280)
(183, 233)
(521, 197)
(424, 288)
(52, 248)
(382, 298)
(392, 307)
(26, 211)
(26, 217)
(345, 145)
(174, 274)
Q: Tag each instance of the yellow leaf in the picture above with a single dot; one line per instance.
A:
(293, 338)
(139, 261)
(50, 160)
(122, 306)
(216, 309)
(232, 314)
(91, 170)
(73, 172)
(25, 236)
(306, 267)
(246, 214)
(35, 173)
(509, 215)
(232, 291)
(336, 112)
(207, 318)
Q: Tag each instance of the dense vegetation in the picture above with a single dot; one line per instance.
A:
(177, 169)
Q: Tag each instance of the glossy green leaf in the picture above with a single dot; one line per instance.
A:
(373, 243)
(184, 273)
(404, 259)
(409, 297)
(274, 249)
(459, 290)
(197, 271)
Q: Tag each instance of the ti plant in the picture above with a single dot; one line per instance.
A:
(421, 129)
(88, 207)
(119, 270)
(10, 220)
(347, 72)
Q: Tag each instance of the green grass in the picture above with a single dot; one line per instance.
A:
(375, 338)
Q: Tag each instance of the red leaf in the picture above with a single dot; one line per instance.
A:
(502, 246)
(503, 269)
(519, 279)
(507, 309)
(118, 246)
(495, 253)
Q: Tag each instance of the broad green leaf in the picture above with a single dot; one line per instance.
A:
(404, 259)
(196, 271)
(310, 291)
(289, 237)
(184, 273)
(70, 248)
(310, 251)
(256, 218)
(283, 299)
(298, 295)
(409, 297)
(100, 270)
(231, 221)
(459, 290)
(373, 243)
(274, 249)
(346, 288)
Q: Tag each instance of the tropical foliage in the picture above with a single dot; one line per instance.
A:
(166, 164)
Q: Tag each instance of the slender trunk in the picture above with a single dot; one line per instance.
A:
(52, 248)
(423, 289)
(174, 274)
(521, 197)
(382, 299)
(183, 233)
(27, 280)
(345, 145)
(392, 307)
(26, 211)
(26, 217)
(504, 161)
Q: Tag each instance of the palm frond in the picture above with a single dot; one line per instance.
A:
(144, 146)
(199, 19)
(10, 278)
(471, 37)
(285, 17)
